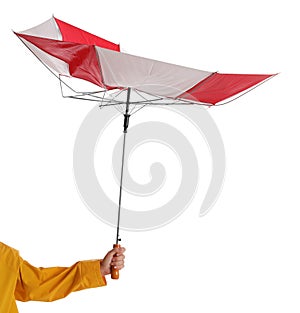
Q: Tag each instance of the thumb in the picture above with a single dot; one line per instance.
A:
(110, 255)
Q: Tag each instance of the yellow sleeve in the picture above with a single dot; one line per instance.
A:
(49, 284)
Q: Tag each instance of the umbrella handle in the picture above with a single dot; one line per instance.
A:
(114, 272)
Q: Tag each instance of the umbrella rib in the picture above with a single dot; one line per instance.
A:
(143, 103)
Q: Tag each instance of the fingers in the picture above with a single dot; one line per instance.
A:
(118, 267)
(118, 259)
(120, 250)
(116, 251)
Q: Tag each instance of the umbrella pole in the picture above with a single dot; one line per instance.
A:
(114, 272)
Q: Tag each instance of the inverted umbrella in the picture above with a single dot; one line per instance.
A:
(127, 81)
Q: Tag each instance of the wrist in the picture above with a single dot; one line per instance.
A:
(103, 271)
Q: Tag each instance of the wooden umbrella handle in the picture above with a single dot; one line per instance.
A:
(114, 273)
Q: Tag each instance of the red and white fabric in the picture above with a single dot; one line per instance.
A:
(73, 52)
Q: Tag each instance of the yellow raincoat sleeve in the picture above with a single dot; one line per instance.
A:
(49, 284)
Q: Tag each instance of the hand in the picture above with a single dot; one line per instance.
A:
(114, 257)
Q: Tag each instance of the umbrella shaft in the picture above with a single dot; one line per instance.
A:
(126, 123)
(121, 187)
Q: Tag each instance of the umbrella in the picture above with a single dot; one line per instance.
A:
(127, 81)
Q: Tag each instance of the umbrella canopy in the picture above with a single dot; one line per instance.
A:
(73, 52)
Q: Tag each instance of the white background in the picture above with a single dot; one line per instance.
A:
(243, 256)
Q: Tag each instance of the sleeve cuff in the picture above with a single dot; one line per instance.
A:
(91, 275)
